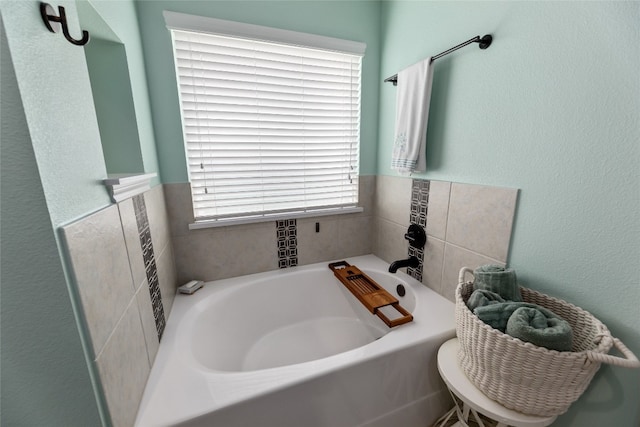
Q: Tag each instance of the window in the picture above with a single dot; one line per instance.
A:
(270, 118)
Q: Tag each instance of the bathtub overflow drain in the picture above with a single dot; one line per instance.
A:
(400, 290)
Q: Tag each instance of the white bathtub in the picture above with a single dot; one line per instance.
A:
(294, 348)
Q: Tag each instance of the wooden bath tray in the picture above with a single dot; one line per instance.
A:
(369, 293)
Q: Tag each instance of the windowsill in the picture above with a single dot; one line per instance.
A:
(124, 186)
(273, 217)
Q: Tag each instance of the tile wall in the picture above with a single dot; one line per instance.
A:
(467, 225)
(217, 253)
(123, 265)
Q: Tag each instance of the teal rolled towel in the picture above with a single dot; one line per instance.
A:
(541, 327)
(497, 315)
(482, 297)
(497, 279)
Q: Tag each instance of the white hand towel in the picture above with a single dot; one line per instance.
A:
(412, 114)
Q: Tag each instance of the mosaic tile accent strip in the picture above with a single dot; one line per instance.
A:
(418, 215)
(150, 267)
(287, 230)
(416, 273)
(419, 202)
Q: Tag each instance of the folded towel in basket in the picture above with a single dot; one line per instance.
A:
(497, 279)
(541, 327)
(482, 297)
(528, 322)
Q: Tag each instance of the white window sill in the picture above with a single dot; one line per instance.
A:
(124, 186)
(273, 217)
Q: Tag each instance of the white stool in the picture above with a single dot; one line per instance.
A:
(473, 400)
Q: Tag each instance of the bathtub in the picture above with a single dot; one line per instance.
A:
(293, 347)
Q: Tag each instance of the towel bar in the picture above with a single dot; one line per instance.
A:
(484, 43)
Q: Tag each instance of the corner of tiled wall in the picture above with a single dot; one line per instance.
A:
(466, 225)
(217, 253)
(115, 260)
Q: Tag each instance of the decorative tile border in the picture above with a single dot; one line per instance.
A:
(287, 243)
(151, 269)
(418, 215)
(419, 202)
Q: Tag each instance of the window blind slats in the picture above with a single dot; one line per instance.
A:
(265, 66)
(267, 127)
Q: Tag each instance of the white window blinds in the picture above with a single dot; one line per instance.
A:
(269, 128)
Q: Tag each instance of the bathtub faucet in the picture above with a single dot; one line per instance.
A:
(412, 262)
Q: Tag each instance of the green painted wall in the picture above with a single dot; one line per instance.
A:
(45, 380)
(550, 108)
(353, 20)
(52, 171)
(55, 90)
(122, 20)
(113, 100)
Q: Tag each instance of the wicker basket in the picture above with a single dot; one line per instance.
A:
(527, 378)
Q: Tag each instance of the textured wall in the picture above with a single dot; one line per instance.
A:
(55, 91)
(122, 19)
(44, 376)
(550, 108)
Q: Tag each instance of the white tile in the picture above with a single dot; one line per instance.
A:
(158, 219)
(393, 199)
(321, 246)
(366, 193)
(200, 255)
(100, 264)
(132, 239)
(438, 208)
(179, 208)
(124, 368)
(167, 278)
(354, 236)
(145, 308)
(454, 259)
(389, 242)
(432, 264)
(250, 248)
(481, 218)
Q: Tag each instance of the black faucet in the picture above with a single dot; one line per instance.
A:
(412, 262)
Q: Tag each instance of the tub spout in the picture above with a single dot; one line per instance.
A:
(412, 262)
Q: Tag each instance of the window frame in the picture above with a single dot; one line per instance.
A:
(192, 23)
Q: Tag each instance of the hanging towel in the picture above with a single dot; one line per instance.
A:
(412, 113)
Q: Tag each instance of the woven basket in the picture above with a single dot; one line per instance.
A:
(527, 378)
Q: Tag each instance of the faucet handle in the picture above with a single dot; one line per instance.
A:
(416, 236)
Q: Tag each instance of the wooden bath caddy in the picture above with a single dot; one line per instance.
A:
(369, 293)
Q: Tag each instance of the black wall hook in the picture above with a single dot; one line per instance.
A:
(48, 16)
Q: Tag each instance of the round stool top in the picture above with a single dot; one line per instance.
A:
(460, 385)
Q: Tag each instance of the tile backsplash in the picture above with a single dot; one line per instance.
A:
(217, 253)
(466, 225)
(123, 266)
